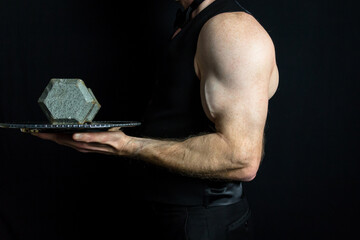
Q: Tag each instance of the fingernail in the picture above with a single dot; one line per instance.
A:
(77, 136)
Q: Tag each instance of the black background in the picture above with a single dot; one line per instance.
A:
(307, 185)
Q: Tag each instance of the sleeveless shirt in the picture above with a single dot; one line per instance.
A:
(175, 112)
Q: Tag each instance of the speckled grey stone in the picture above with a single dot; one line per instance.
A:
(68, 101)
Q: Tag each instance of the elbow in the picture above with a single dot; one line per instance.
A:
(246, 170)
(245, 174)
(248, 174)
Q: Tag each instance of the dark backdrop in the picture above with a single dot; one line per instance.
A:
(307, 185)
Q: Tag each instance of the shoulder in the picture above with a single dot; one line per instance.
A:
(234, 24)
(234, 38)
(235, 29)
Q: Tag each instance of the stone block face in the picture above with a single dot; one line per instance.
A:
(68, 101)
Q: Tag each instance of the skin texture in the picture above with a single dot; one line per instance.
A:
(235, 62)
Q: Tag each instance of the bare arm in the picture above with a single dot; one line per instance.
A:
(234, 61)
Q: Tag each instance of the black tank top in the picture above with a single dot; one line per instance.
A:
(175, 112)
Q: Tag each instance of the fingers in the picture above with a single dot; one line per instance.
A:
(92, 148)
(46, 136)
(59, 138)
(99, 137)
(81, 146)
(97, 142)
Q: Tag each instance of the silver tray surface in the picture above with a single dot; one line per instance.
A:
(97, 126)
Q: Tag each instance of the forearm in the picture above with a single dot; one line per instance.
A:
(206, 156)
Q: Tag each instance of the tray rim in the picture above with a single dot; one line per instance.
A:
(44, 126)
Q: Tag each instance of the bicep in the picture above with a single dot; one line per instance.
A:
(235, 68)
(233, 106)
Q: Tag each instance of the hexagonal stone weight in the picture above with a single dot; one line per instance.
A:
(68, 101)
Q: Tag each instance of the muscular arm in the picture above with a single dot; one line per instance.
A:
(234, 61)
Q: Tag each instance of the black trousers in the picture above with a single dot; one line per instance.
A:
(169, 222)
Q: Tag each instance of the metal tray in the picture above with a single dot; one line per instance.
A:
(98, 126)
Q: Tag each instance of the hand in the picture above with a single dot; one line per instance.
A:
(113, 142)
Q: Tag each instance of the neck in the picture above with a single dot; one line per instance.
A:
(187, 3)
(201, 7)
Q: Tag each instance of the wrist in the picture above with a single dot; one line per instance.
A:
(132, 147)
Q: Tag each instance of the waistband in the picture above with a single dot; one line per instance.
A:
(223, 195)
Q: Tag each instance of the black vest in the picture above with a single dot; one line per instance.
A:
(176, 112)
